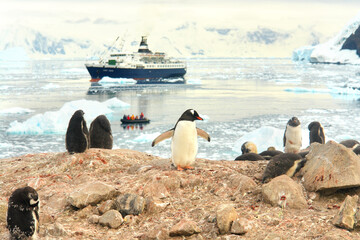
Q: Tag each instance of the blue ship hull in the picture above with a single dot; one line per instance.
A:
(98, 73)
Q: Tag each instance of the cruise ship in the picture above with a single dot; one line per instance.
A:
(141, 65)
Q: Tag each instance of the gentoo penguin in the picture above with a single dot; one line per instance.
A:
(285, 163)
(184, 145)
(293, 136)
(249, 157)
(100, 133)
(77, 134)
(248, 147)
(270, 153)
(23, 214)
(350, 143)
(316, 133)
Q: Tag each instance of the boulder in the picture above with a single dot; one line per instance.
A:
(225, 215)
(284, 192)
(331, 166)
(346, 216)
(184, 228)
(242, 183)
(130, 204)
(106, 206)
(111, 219)
(91, 194)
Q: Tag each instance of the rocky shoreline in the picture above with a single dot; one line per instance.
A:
(125, 194)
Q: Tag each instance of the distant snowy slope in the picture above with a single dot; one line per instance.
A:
(187, 39)
(342, 48)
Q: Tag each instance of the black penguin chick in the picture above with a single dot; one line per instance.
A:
(286, 163)
(270, 153)
(249, 157)
(316, 133)
(100, 133)
(77, 134)
(248, 147)
(350, 143)
(23, 213)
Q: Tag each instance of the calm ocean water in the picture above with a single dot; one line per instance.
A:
(236, 96)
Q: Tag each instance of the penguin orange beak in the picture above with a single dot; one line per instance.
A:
(199, 118)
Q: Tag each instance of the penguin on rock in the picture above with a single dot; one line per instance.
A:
(184, 144)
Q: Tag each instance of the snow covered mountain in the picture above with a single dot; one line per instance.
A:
(344, 48)
(189, 39)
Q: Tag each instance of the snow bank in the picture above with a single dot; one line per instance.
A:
(330, 51)
(56, 122)
(265, 137)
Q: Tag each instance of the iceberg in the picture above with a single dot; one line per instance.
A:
(266, 136)
(342, 49)
(56, 122)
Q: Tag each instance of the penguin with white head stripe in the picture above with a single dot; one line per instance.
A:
(184, 145)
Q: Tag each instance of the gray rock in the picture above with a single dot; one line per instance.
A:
(111, 219)
(57, 230)
(225, 215)
(242, 183)
(130, 204)
(91, 194)
(184, 228)
(330, 166)
(284, 192)
(240, 226)
(106, 206)
(94, 219)
(346, 216)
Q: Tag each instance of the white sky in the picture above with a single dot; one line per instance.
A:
(104, 20)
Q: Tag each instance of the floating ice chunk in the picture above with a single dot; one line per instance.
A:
(107, 81)
(50, 86)
(56, 122)
(193, 81)
(116, 103)
(307, 90)
(149, 137)
(15, 110)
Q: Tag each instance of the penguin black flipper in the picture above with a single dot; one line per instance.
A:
(163, 136)
(203, 134)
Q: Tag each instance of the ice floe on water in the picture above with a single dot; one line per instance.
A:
(56, 122)
(50, 86)
(147, 137)
(107, 81)
(344, 92)
(193, 81)
(15, 110)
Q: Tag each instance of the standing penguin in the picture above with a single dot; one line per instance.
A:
(23, 214)
(293, 136)
(100, 133)
(184, 145)
(316, 133)
(77, 134)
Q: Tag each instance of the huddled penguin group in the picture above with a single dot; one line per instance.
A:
(78, 138)
(293, 158)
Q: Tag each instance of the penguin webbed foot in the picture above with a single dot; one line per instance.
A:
(184, 168)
